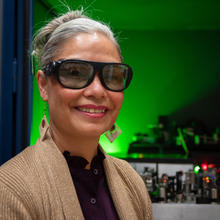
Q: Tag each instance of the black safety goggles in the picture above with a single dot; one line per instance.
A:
(78, 74)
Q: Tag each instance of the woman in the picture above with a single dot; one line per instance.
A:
(66, 174)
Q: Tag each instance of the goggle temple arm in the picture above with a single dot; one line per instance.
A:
(50, 68)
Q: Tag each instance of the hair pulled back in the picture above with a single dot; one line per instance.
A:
(48, 40)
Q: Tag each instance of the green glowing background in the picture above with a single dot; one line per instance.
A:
(173, 47)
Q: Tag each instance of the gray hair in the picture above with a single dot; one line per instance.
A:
(47, 42)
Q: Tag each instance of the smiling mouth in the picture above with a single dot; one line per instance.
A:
(91, 110)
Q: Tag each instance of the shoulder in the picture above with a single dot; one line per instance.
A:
(17, 166)
(17, 181)
(19, 174)
(23, 172)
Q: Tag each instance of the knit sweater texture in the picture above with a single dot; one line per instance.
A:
(37, 185)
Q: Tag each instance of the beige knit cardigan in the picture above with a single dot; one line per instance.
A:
(37, 184)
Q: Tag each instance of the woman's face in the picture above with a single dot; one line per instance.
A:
(80, 111)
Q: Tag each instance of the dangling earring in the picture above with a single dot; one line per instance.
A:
(33, 61)
(113, 133)
(44, 114)
(45, 107)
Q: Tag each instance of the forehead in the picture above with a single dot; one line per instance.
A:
(94, 47)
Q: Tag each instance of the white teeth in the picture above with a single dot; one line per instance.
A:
(90, 110)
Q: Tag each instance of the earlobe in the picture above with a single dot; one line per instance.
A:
(42, 85)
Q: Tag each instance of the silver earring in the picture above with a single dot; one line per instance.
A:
(113, 133)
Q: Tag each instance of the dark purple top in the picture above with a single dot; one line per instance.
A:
(91, 187)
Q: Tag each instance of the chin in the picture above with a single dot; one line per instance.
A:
(91, 130)
(94, 132)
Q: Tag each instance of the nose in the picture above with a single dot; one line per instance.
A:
(95, 89)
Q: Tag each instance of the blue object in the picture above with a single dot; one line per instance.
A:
(16, 78)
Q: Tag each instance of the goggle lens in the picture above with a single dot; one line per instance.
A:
(115, 76)
(75, 75)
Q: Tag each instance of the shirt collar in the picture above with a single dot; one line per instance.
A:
(78, 162)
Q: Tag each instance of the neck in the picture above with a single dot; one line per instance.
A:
(82, 146)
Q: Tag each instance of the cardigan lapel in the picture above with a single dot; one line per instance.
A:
(119, 192)
(59, 173)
